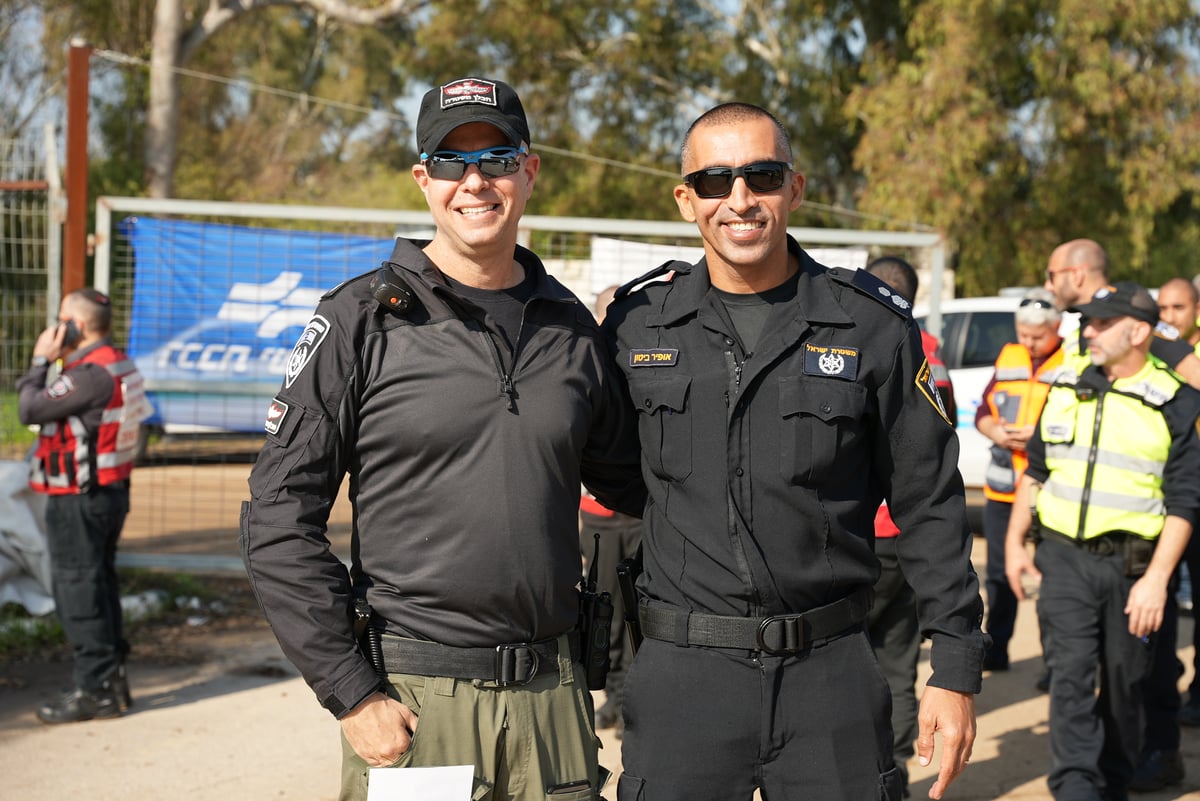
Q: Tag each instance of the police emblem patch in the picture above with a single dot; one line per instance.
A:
(831, 361)
(276, 414)
(310, 339)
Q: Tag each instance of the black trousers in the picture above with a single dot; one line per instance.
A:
(896, 637)
(1094, 740)
(82, 533)
(1160, 689)
(709, 725)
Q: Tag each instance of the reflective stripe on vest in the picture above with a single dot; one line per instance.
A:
(1016, 399)
(1106, 456)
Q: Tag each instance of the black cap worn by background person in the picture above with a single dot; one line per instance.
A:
(446, 107)
(1122, 299)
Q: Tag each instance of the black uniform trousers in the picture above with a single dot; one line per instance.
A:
(1192, 557)
(1094, 740)
(703, 724)
(896, 638)
(82, 532)
(1160, 690)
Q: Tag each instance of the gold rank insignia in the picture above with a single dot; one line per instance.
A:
(928, 388)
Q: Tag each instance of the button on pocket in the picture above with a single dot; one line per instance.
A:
(664, 424)
(821, 425)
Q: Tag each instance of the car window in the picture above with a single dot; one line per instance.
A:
(986, 335)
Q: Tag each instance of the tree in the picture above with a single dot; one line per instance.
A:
(1022, 124)
(175, 42)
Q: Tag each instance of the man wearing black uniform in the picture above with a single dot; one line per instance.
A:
(779, 403)
(466, 393)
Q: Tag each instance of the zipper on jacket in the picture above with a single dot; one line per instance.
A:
(1093, 452)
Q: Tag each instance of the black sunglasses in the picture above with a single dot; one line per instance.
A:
(761, 176)
(1041, 304)
(451, 165)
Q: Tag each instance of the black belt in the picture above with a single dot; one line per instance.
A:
(506, 665)
(776, 635)
(1104, 545)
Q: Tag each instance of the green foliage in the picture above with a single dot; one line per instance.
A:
(1010, 125)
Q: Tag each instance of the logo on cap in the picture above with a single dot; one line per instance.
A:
(468, 90)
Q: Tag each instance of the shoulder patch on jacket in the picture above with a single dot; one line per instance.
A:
(667, 268)
(862, 281)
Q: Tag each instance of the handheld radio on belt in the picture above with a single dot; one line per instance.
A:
(627, 572)
(595, 625)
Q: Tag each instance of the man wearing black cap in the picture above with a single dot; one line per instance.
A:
(1111, 478)
(467, 394)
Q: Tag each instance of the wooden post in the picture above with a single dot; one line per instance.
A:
(74, 266)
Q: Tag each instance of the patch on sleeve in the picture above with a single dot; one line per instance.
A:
(63, 386)
(831, 361)
(310, 339)
(277, 412)
(928, 387)
(653, 357)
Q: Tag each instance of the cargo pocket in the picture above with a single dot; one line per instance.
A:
(292, 427)
(630, 788)
(664, 424)
(820, 418)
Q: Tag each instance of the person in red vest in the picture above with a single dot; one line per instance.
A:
(89, 414)
(1007, 416)
(892, 621)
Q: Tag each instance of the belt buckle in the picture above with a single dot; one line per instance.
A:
(793, 635)
(509, 660)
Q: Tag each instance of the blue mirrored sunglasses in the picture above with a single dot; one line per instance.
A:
(451, 165)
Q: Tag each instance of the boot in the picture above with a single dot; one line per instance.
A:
(79, 704)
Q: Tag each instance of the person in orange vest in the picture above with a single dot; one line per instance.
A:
(892, 621)
(1007, 416)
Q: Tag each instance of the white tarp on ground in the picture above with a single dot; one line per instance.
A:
(24, 558)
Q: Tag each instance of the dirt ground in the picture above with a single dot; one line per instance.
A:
(220, 715)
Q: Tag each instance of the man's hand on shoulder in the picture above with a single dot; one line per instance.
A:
(380, 730)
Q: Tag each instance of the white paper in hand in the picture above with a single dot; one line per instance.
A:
(452, 783)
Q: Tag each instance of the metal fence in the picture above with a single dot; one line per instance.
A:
(29, 274)
(192, 475)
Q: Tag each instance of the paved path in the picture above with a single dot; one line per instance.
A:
(244, 728)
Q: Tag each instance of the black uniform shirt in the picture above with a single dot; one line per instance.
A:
(765, 472)
(464, 472)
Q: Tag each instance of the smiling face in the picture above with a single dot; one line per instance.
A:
(476, 216)
(744, 233)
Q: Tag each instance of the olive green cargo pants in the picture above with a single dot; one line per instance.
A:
(527, 742)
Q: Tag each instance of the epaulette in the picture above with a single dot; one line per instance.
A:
(346, 283)
(1165, 330)
(667, 268)
(872, 287)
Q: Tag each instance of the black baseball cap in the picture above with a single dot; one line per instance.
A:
(1122, 299)
(450, 105)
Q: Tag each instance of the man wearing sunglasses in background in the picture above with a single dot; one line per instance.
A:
(779, 403)
(467, 394)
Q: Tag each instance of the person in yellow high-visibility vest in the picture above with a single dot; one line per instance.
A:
(1111, 478)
